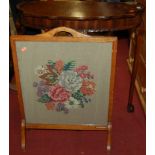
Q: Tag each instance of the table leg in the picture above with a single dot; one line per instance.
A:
(130, 106)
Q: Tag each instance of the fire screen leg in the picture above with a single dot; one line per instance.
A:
(23, 135)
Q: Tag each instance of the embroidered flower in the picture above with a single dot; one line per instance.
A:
(81, 68)
(70, 80)
(72, 103)
(58, 93)
(59, 66)
(41, 70)
(83, 75)
(61, 107)
(42, 89)
(50, 105)
(64, 86)
(88, 87)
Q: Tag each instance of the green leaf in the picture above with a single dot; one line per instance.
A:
(71, 102)
(52, 78)
(69, 66)
(50, 62)
(82, 105)
(44, 99)
(78, 96)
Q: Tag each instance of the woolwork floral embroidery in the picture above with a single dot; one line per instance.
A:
(64, 86)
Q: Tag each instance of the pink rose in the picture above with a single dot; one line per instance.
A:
(83, 75)
(81, 68)
(86, 75)
(58, 93)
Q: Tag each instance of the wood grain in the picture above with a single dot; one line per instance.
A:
(80, 15)
(65, 127)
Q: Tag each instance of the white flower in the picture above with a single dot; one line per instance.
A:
(72, 103)
(70, 80)
(40, 70)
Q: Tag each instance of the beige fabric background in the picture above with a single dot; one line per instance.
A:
(98, 58)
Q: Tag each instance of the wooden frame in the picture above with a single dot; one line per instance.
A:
(76, 37)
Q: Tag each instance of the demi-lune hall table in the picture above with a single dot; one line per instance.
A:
(86, 16)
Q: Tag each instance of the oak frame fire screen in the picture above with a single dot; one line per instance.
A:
(65, 82)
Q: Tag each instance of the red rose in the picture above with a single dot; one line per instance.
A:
(59, 94)
(88, 88)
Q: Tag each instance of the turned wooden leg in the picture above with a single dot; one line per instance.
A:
(23, 135)
(109, 137)
(130, 106)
